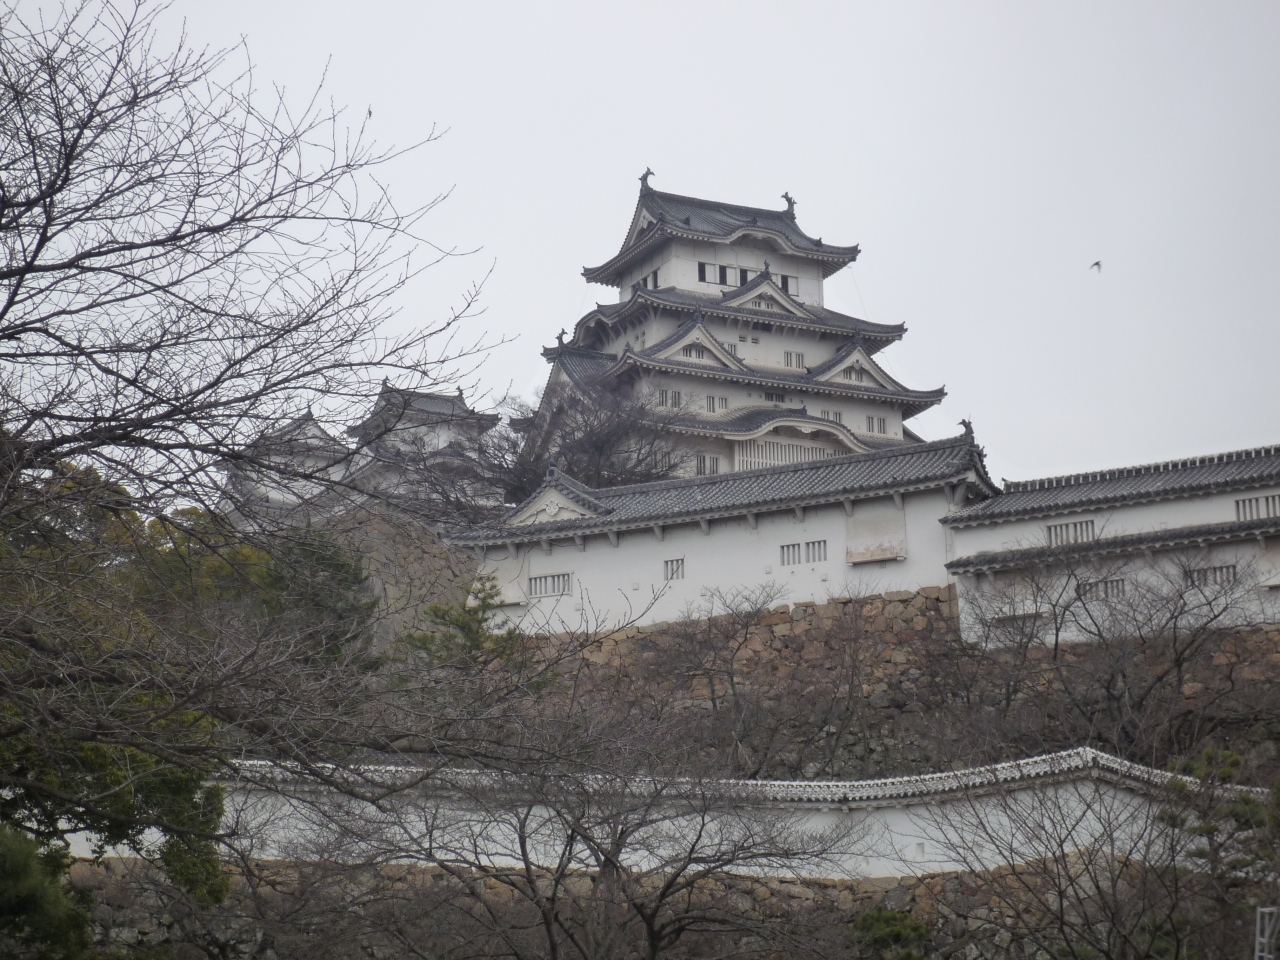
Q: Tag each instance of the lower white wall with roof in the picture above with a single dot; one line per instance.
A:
(883, 545)
(981, 818)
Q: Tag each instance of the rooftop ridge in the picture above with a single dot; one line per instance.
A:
(714, 203)
(711, 480)
(1117, 473)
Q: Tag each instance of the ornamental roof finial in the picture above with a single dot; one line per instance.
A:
(644, 180)
(791, 204)
(968, 427)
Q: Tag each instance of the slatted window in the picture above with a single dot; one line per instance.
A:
(1212, 576)
(815, 551)
(673, 569)
(1258, 508)
(793, 359)
(856, 374)
(790, 554)
(876, 425)
(695, 351)
(1112, 589)
(551, 585)
(835, 416)
(664, 398)
(707, 466)
(1076, 531)
(775, 397)
(752, 454)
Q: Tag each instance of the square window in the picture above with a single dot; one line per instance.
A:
(789, 554)
(673, 569)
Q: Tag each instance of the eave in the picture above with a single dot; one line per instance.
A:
(1124, 545)
(609, 272)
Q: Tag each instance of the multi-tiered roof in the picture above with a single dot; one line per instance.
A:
(674, 325)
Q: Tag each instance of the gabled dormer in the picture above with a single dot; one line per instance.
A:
(559, 498)
(764, 293)
(694, 343)
(853, 365)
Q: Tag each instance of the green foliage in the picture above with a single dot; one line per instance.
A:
(463, 636)
(107, 629)
(894, 931)
(35, 911)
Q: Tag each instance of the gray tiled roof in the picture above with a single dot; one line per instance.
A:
(1153, 481)
(879, 334)
(912, 466)
(586, 367)
(1117, 546)
(677, 215)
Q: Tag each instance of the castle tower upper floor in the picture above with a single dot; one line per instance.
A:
(708, 248)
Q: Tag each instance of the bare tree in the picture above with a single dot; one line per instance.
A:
(1126, 654)
(604, 439)
(1111, 865)
(190, 266)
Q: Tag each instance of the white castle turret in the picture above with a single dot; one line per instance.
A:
(720, 330)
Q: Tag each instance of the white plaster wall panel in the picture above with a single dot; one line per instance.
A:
(614, 584)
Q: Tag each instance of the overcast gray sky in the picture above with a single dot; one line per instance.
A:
(983, 154)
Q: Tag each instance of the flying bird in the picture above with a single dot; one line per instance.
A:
(1096, 265)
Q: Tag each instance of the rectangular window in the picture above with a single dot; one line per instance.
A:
(743, 278)
(835, 416)
(702, 272)
(790, 554)
(1077, 531)
(880, 425)
(673, 569)
(675, 398)
(713, 465)
(711, 404)
(775, 397)
(790, 285)
(653, 280)
(551, 585)
(1258, 508)
(815, 551)
(695, 351)
(724, 276)
(755, 339)
(732, 348)
(724, 403)
(856, 374)
(1212, 576)
(786, 358)
(791, 359)
(663, 398)
(876, 425)
(742, 338)
(1101, 589)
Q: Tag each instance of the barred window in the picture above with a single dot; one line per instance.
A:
(835, 416)
(695, 351)
(706, 465)
(1077, 531)
(815, 551)
(664, 397)
(551, 585)
(1212, 576)
(856, 374)
(790, 554)
(775, 397)
(875, 425)
(1258, 508)
(673, 569)
(1101, 589)
(793, 359)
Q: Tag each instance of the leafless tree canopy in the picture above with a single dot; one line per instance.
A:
(188, 262)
